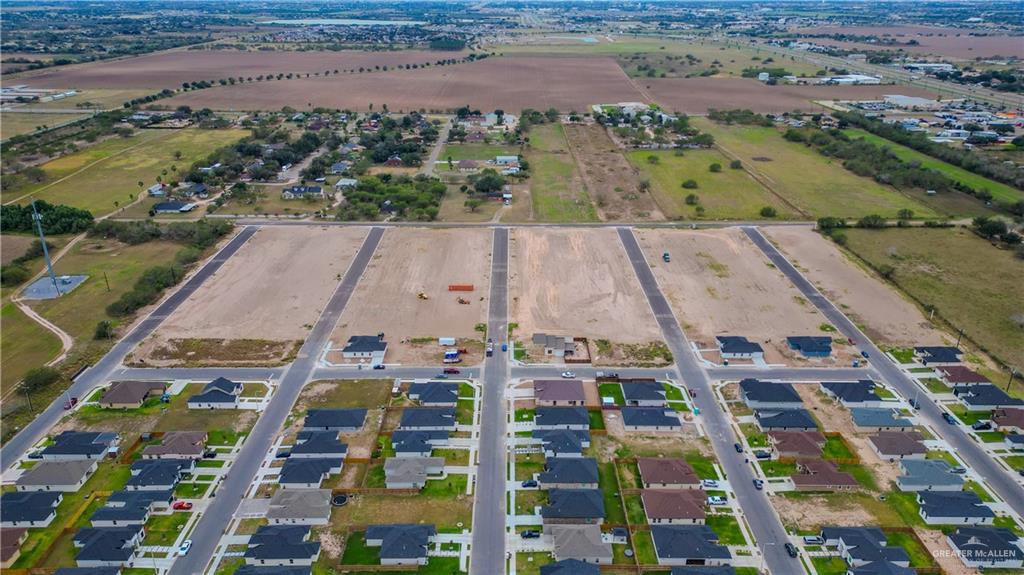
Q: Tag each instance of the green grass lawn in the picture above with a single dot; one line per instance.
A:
(450, 486)
(906, 507)
(556, 189)
(812, 182)
(530, 563)
(612, 390)
(527, 464)
(25, 345)
(702, 465)
(990, 436)
(979, 490)
(479, 152)
(829, 565)
(94, 178)
(635, 510)
(727, 528)
(643, 546)
(673, 393)
(943, 455)
(861, 473)
(935, 385)
(191, 490)
(968, 417)
(523, 414)
(163, 530)
(836, 448)
(596, 419)
(464, 411)
(937, 266)
(726, 195)
(919, 555)
(358, 553)
(755, 437)
(13, 124)
(1015, 461)
(210, 463)
(773, 468)
(609, 484)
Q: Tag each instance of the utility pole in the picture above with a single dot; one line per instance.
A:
(960, 335)
(1013, 373)
(46, 252)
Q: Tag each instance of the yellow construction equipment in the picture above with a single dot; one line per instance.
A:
(463, 301)
(422, 295)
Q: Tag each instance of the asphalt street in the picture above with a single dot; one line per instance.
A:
(229, 494)
(488, 550)
(101, 371)
(763, 521)
(998, 479)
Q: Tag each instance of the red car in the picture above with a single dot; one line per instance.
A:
(452, 370)
(182, 505)
(70, 404)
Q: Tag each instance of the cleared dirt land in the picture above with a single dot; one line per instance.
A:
(508, 83)
(613, 183)
(953, 42)
(718, 283)
(410, 261)
(273, 289)
(578, 283)
(886, 315)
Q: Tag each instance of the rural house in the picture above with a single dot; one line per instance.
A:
(172, 207)
(363, 347)
(558, 392)
(302, 192)
(555, 345)
(736, 347)
(401, 544)
(810, 346)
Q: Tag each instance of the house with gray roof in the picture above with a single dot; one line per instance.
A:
(558, 392)
(581, 542)
(563, 442)
(177, 445)
(928, 475)
(72, 445)
(67, 476)
(282, 545)
(859, 546)
(130, 394)
(569, 473)
(785, 420)
(319, 444)
(575, 506)
(221, 393)
(370, 348)
(29, 508)
(570, 567)
(547, 418)
(650, 419)
(308, 472)
(554, 345)
(810, 345)
(131, 508)
(411, 472)
(428, 418)
(853, 393)
(688, 545)
(644, 393)
(759, 394)
(435, 393)
(158, 474)
(738, 347)
(401, 544)
(300, 507)
(107, 546)
(954, 508)
(881, 568)
(985, 397)
(987, 547)
(336, 420)
(416, 443)
(898, 445)
(876, 419)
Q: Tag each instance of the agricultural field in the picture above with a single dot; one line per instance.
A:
(728, 195)
(936, 267)
(99, 98)
(404, 292)
(556, 188)
(959, 43)
(613, 184)
(230, 308)
(15, 123)
(811, 182)
(105, 176)
(719, 283)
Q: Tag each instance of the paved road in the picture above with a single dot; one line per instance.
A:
(198, 373)
(999, 479)
(488, 551)
(410, 224)
(764, 523)
(791, 373)
(100, 372)
(211, 525)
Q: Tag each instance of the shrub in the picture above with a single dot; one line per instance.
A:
(40, 377)
(13, 275)
(768, 212)
(104, 330)
(690, 185)
(692, 200)
(736, 164)
(715, 168)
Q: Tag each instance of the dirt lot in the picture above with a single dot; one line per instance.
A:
(942, 552)
(410, 261)
(576, 282)
(952, 42)
(273, 289)
(13, 246)
(696, 95)
(884, 314)
(814, 512)
(509, 83)
(719, 283)
(613, 183)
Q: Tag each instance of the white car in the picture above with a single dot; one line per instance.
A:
(709, 483)
(183, 550)
(568, 374)
(717, 500)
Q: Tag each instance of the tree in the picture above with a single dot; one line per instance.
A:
(715, 168)
(692, 200)
(39, 377)
(645, 186)
(690, 185)
(104, 330)
(736, 165)
(473, 204)
(871, 221)
(653, 160)
(905, 214)
(768, 212)
(989, 227)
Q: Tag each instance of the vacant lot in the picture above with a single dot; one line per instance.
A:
(578, 283)
(727, 195)
(613, 183)
(718, 283)
(808, 180)
(14, 124)
(882, 311)
(556, 188)
(952, 42)
(13, 246)
(410, 262)
(478, 152)
(973, 285)
(508, 83)
(105, 176)
(25, 344)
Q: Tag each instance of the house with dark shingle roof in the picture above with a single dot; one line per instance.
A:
(796, 444)
(938, 355)
(987, 547)
(736, 347)
(365, 347)
(644, 393)
(650, 419)
(428, 418)
(569, 473)
(336, 420)
(10, 545)
(131, 508)
(67, 476)
(415, 443)
(130, 394)
(928, 475)
(107, 546)
(985, 397)
(88, 571)
(688, 545)
(674, 506)
(895, 445)
(876, 419)
(558, 392)
(769, 395)
(704, 570)
(221, 393)
(785, 419)
(854, 393)
(282, 545)
(810, 345)
(29, 508)
(953, 375)
(574, 506)
(435, 393)
(319, 444)
(561, 418)
(881, 568)
(954, 508)
(308, 472)
(666, 473)
(401, 544)
(570, 567)
(563, 442)
(177, 445)
(860, 546)
(158, 474)
(72, 445)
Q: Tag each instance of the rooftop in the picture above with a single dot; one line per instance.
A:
(687, 542)
(786, 419)
(558, 390)
(768, 392)
(898, 443)
(674, 503)
(574, 504)
(650, 417)
(28, 505)
(546, 416)
(364, 344)
(666, 471)
(732, 344)
(932, 472)
(402, 541)
(569, 470)
(953, 504)
(130, 392)
(62, 473)
(877, 417)
(282, 542)
(335, 418)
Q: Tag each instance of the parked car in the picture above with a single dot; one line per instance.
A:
(35, 455)
(453, 370)
(69, 404)
(441, 376)
(949, 418)
(762, 454)
(379, 366)
(283, 454)
(717, 500)
(183, 550)
(568, 374)
(182, 505)
(958, 470)
(709, 483)
(529, 483)
(915, 404)
(209, 454)
(737, 447)
(758, 484)
(813, 540)
(530, 534)
(982, 426)
(791, 549)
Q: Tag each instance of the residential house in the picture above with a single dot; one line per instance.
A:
(898, 445)
(953, 508)
(131, 508)
(365, 347)
(810, 345)
(318, 445)
(928, 475)
(736, 347)
(1015, 442)
(704, 570)
(72, 445)
(957, 375)
(569, 473)
(401, 544)
(561, 418)
(555, 345)
(428, 418)
(158, 474)
(688, 545)
(506, 160)
(340, 168)
(650, 419)
(796, 444)
(308, 472)
(88, 571)
(666, 473)
(29, 508)
(580, 542)
(107, 546)
(570, 567)
(573, 506)
(221, 393)
(66, 476)
(177, 445)
(282, 545)
(822, 475)
(157, 190)
(674, 506)
(414, 443)
(639, 393)
(856, 393)
(435, 393)
(346, 183)
(987, 547)
(860, 546)
(302, 193)
(336, 420)
(769, 395)
(394, 162)
(938, 355)
(1008, 420)
(256, 570)
(785, 420)
(985, 397)
(411, 472)
(563, 442)
(10, 545)
(172, 207)
(198, 189)
(300, 507)
(876, 419)
(467, 165)
(558, 392)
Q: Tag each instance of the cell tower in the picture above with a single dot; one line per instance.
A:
(46, 251)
